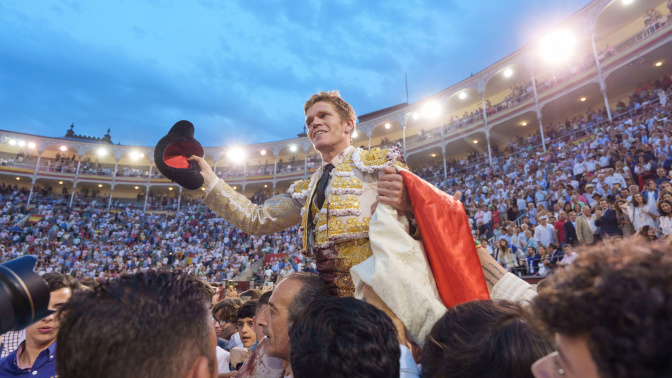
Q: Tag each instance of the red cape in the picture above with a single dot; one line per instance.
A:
(448, 242)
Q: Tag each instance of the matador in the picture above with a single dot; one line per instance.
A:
(334, 206)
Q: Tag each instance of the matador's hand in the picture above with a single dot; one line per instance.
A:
(392, 191)
(208, 175)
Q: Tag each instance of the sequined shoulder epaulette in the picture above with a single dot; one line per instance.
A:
(375, 159)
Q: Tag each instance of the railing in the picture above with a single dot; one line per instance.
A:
(246, 275)
(636, 38)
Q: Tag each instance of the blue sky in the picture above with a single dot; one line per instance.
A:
(240, 70)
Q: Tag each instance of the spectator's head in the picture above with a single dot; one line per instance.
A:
(567, 207)
(262, 306)
(245, 318)
(665, 208)
(624, 193)
(541, 249)
(343, 337)
(290, 297)
(567, 248)
(633, 189)
(666, 196)
(528, 233)
(577, 207)
(611, 312)
(604, 204)
(226, 318)
(543, 220)
(666, 186)
(250, 295)
(61, 287)
(589, 188)
(150, 324)
(562, 215)
(472, 333)
(531, 251)
(651, 185)
(661, 171)
(638, 200)
(586, 211)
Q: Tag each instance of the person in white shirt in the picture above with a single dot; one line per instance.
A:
(579, 168)
(544, 232)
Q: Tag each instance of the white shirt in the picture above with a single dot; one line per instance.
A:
(222, 360)
(544, 235)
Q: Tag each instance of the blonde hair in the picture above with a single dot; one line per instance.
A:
(344, 110)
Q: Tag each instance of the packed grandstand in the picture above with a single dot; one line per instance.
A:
(533, 147)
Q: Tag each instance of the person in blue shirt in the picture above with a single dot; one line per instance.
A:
(36, 356)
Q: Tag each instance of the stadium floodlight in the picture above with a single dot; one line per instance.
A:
(170, 188)
(22, 143)
(236, 154)
(265, 186)
(12, 142)
(433, 155)
(135, 155)
(60, 183)
(416, 115)
(462, 95)
(508, 72)
(31, 145)
(658, 64)
(292, 148)
(18, 179)
(100, 185)
(137, 187)
(524, 123)
(476, 141)
(431, 110)
(355, 134)
(263, 152)
(626, 2)
(387, 125)
(64, 148)
(582, 99)
(101, 152)
(557, 46)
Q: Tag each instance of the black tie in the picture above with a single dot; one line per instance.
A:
(324, 180)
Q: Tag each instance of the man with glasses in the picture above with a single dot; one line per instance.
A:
(224, 315)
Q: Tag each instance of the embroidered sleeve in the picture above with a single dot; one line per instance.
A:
(276, 214)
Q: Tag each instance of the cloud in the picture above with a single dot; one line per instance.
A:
(239, 71)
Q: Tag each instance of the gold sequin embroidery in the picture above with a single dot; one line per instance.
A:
(346, 183)
(374, 157)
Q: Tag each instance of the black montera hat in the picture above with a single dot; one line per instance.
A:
(171, 155)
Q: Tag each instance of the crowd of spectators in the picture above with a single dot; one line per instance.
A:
(95, 243)
(608, 179)
(608, 316)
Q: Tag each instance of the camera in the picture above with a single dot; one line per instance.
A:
(24, 295)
